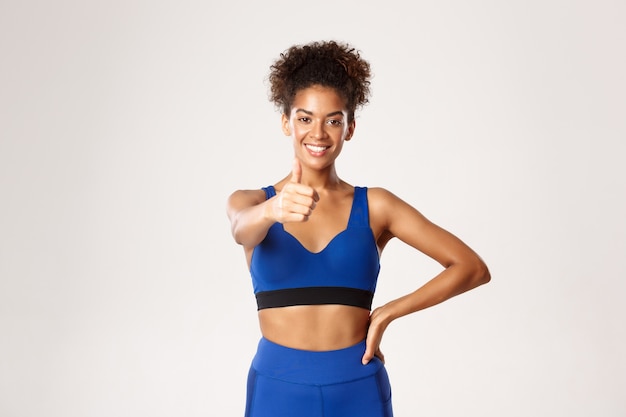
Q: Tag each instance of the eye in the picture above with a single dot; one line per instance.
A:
(335, 122)
(304, 119)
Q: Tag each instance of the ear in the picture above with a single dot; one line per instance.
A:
(285, 125)
(350, 132)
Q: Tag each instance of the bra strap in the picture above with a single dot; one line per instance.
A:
(269, 191)
(359, 215)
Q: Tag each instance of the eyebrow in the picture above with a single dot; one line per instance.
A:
(310, 113)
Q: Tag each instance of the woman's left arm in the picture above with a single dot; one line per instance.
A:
(463, 268)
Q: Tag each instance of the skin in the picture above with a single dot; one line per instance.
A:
(313, 204)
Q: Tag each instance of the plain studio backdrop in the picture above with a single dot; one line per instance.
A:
(125, 125)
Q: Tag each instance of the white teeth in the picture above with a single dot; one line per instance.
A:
(317, 148)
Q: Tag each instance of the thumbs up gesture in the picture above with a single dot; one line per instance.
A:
(296, 201)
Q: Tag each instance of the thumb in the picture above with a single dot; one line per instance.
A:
(296, 171)
(367, 356)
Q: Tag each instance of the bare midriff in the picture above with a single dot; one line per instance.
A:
(315, 327)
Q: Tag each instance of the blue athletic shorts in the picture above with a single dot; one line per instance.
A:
(286, 382)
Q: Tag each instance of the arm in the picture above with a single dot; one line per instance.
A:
(251, 215)
(463, 268)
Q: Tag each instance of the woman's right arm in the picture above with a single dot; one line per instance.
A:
(250, 216)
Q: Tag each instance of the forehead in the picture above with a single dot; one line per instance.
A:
(319, 98)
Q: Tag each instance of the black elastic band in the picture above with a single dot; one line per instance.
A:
(315, 296)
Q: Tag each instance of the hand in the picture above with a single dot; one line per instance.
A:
(296, 201)
(377, 326)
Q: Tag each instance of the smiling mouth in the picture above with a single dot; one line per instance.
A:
(316, 148)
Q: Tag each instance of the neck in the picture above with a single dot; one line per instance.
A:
(320, 180)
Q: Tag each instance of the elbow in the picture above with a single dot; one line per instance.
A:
(235, 228)
(236, 233)
(481, 274)
(475, 273)
(237, 239)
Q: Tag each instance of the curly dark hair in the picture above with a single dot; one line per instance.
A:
(327, 63)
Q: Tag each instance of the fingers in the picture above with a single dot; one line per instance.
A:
(370, 353)
(371, 346)
(379, 355)
(296, 201)
(293, 206)
(296, 171)
(375, 330)
(296, 178)
(367, 357)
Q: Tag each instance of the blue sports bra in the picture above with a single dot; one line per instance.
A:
(285, 273)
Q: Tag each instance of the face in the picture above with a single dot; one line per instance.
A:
(318, 125)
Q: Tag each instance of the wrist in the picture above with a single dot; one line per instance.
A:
(391, 311)
(268, 210)
(383, 315)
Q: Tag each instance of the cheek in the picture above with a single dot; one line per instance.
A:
(298, 130)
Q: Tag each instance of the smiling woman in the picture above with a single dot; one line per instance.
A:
(318, 125)
(313, 244)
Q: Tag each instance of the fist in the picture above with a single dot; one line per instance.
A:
(296, 201)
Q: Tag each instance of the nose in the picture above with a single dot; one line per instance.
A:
(317, 131)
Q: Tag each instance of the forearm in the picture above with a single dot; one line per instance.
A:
(454, 280)
(249, 226)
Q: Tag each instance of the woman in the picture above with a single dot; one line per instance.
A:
(313, 242)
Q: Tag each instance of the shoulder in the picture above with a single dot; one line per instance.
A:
(381, 204)
(389, 210)
(240, 199)
(381, 198)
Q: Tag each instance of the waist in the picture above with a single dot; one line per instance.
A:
(316, 328)
(313, 367)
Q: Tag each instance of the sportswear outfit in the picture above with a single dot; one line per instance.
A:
(287, 382)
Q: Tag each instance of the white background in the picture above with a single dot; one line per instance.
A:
(124, 126)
